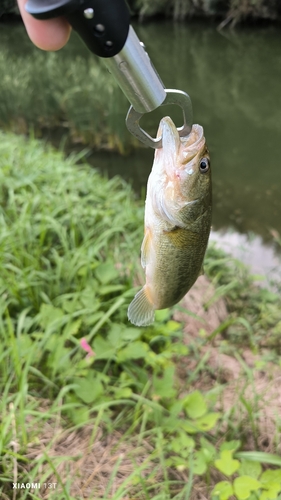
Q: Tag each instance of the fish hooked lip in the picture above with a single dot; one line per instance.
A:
(169, 132)
(168, 154)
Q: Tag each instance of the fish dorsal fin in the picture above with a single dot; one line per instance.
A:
(141, 310)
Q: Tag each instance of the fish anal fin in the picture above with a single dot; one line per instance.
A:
(145, 247)
(141, 309)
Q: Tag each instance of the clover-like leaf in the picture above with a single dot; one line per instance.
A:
(208, 449)
(207, 422)
(249, 468)
(271, 484)
(244, 485)
(223, 490)
(195, 405)
(271, 493)
(226, 463)
(230, 445)
(106, 272)
(270, 476)
(199, 464)
(88, 389)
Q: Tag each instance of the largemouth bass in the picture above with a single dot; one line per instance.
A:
(177, 221)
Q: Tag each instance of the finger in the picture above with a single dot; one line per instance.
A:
(51, 34)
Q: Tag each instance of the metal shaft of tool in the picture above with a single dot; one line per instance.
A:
(136, 76)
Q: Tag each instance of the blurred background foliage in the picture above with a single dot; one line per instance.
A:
(231, 11)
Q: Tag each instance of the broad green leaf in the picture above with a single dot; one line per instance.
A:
(106, 272)
(189, 426)
(25, 343)
(80, 416)
(102, 348)
(199, 463)
(248, 468)
(72, 328)
(123, 393)
(173, 326)
(207, 422)
(162, 315)
(170, 423)
(163, 386)
(187, 442)
(115, 335)
(88, 389)
(49, 314)
(182, 445)
(208, 449)
(230, 445)
(271, 492)
(130, 334)
(244, 485)
(226, 464)
(271, 484)
(176, 407)
(269, 476)
(53, 344)
(92, 319)
(135, 350)
(223, 490)
(195, 405)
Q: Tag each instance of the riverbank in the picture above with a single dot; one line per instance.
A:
(91, 403)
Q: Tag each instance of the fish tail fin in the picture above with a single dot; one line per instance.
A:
(141, 310)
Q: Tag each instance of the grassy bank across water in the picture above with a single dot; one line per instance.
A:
(144, 413)
(233, 11)
(70, 90)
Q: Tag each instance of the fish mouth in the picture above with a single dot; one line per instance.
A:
(169, 133)
(168, 155)
(174, 147)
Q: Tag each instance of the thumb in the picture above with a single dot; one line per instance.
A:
(51, 34)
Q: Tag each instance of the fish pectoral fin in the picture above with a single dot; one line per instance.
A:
(181, 238)
(141, 310)
(145, 247)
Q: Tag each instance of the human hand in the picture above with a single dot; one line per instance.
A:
(51, 34)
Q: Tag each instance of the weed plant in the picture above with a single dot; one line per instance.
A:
(69, 245)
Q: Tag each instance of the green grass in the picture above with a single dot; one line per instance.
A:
(69, 251)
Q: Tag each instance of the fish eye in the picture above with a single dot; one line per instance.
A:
(204, 165)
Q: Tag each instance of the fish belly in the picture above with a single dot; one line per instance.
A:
(179, 265)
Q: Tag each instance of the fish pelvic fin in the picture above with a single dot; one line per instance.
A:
(141, 310)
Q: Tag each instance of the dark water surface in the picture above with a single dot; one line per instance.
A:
(234, 81)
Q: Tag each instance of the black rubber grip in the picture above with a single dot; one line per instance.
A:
(102, 24)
